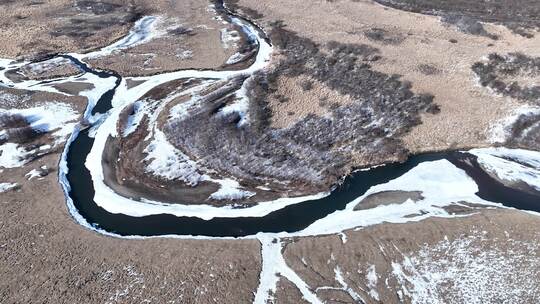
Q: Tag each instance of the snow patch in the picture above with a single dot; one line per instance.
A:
(465, 270)
(372, 279)
(57, 117)
(34, 173)
(166, 161)
(135, 119)
(12, 156)
(230, 190)
(511, 164)
(499, 132)
(5, 187)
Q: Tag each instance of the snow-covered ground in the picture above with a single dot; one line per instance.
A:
(144, 30)
(55, 117)
(168, 162)
(513, 165)
(58, 118)
(441, 183)
(465, 270)
(500, 131)
(5, 187)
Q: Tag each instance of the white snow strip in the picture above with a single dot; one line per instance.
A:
(33, 174)
(5, 187)
(271, 253)
(143, 31)
(345, 287)
(441, 184)
(135, 119)
(235, 58)
(343, 237)
(240, 104)
(372, 279)
(274, 264)
(511, 164)
(12, 156)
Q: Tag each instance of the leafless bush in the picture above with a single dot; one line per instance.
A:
(181, 31)
(467, 25)
(22, 135)
(428, 69)
(521, 16)
(316, 151)
(384, 36)
(498, 69)
(306, 85)
(525, 132)
(8, 121)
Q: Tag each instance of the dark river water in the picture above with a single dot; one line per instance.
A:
(289, 219)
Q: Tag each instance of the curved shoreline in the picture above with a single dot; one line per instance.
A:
(291, 216)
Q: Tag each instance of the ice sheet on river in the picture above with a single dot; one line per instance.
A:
(512, 165)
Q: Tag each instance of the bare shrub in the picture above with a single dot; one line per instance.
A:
(496, 72)
(22, 135)
(315, 152)
(383, 36)
(521, 16)
(428, 69)
(8, 121)
(525, 133)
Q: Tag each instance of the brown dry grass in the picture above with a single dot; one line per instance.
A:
(467, 110)
(315, 259)
(300, 102)
(46, 256)
(202, 46)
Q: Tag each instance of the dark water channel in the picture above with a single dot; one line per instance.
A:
(289, 219)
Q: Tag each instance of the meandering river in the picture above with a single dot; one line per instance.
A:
(291, 218)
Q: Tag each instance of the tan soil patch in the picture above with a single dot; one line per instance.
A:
(288, 293)
(49, 69)
(388, 198)
(20, 99)
(73, 88)
(27, 28)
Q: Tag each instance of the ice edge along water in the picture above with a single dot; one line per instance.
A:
(108, 199)
(438, 181)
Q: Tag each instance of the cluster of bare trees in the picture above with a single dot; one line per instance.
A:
(498, 71)
(316, 151)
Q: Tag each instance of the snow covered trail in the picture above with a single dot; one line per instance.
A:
(274, 264)
(143, 31)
